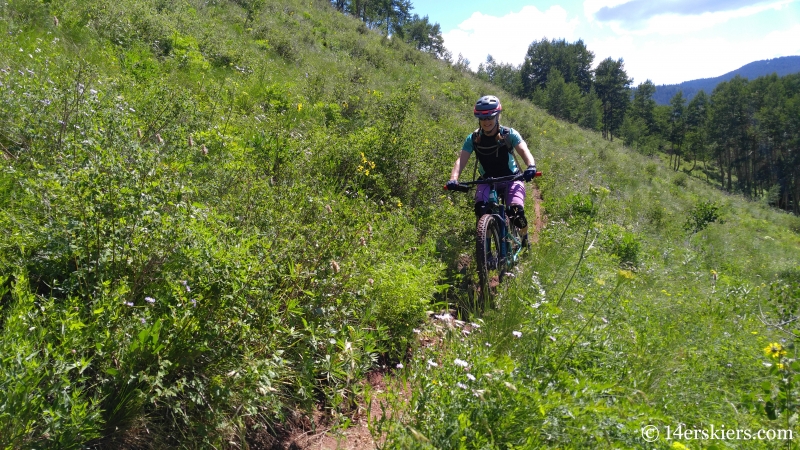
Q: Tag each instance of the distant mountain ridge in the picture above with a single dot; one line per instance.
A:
(784, 65)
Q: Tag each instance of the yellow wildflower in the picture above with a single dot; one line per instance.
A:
(624, 275)
(774, 350)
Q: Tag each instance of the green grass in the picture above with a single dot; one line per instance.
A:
(213, 219)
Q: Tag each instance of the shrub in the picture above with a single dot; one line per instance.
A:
(701, 215)
(401, 295)
(623, 244)
(579, 205)
(651, 169)
(680, 179)
(655, 214)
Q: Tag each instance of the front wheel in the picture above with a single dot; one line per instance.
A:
(489, 256)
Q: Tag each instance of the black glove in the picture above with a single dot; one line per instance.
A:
(451, 185)
(529, 173)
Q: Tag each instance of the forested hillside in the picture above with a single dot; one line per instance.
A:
(786, 65)
(219, 216)
(741, 135)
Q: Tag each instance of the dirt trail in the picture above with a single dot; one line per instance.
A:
(539, 218)
(358, 437)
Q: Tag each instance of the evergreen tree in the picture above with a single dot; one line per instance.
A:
(503, 75)
(573, 61)
(643, 105)
(729, 128)
(696, 133)
(559, 98)
(677, 128)
(612, 85)
(425, 36)
(388, 15)
(591, 113)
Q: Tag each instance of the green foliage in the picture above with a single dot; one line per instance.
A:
(425, 36)
(575, 205)
(401, 294)
(611, 85)
(503, 75)
(217, 214)
(623, 244)
(680, 180)
(192, 268)
(656, 214)
(719, 130)
(572, 60)
(558, 98)
(701, 215)
(42, 376)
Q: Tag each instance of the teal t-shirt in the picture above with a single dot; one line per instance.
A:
(497, 161)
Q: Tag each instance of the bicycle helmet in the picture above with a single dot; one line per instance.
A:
(487, 106)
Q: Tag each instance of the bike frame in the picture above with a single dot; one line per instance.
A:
(498, 209)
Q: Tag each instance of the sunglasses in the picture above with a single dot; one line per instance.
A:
(486, 119)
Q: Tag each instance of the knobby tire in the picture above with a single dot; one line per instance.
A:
(487, 253)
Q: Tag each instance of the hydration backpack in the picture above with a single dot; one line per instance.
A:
(501, 138)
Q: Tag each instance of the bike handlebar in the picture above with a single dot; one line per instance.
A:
(465, 186)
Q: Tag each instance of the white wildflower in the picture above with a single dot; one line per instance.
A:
(446, 317)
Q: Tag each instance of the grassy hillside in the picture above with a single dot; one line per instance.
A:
(218, 213)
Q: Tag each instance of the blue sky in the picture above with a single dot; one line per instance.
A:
(666, 41)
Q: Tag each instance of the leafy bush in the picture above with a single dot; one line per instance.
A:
(680, 179)
(623, 244)
(576, 205)
(655, 213)
(702, 214)
(402, 294)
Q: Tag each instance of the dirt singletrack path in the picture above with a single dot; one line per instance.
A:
(358, 436)
(538, 215)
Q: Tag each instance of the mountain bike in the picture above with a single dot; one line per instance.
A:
(498, 240)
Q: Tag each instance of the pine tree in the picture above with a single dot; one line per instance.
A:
(612, 85)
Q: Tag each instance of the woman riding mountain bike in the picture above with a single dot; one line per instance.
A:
(494, 146)
(502, 229)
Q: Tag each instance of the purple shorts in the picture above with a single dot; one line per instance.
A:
(514, 191)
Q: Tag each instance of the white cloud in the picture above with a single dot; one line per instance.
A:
(507, 38)
(686, 58)
(663, 48)
(672, 23)
(590, 7)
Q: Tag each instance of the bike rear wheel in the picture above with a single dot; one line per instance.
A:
(488, 255)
